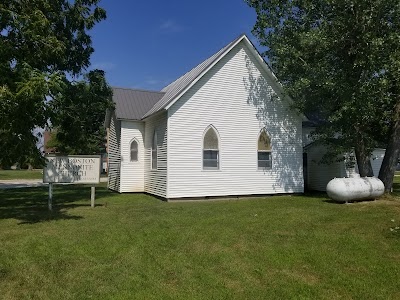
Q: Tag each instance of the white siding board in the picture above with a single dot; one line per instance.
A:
(320, 174)
(376, 160)
(132, 172)
(114, 158)
(155, 181)
(235, 97)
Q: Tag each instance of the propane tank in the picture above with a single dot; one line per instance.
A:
(355, 188)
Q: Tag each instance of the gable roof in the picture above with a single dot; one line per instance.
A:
(139, 104)
(182, 84)
(132, 104)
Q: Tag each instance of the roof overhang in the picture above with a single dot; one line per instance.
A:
(277, 86)
(221, 56)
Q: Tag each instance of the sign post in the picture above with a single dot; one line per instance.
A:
(50, 196)
(92, 195)
(72, 169)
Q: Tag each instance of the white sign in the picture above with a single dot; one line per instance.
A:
(72, 169)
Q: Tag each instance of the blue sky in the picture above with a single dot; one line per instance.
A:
(148, 44)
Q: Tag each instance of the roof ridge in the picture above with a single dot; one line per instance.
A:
(179, 85)
(138, 90)
(204, 60)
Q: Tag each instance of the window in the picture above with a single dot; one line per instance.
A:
(264, 151)
(134, 151)
(154, 152)
(210, 149)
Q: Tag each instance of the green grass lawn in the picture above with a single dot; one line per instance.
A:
(135, 246)
(24, 174)
(20, 174)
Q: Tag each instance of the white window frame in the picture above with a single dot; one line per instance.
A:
(137, 151)
(264, 151)
(154, 150)
(270, 160)
(218, 160)
(218, 167)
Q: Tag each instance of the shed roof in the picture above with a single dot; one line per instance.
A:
(133, 104)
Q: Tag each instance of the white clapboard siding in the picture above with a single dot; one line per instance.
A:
(155, 181)
(237, 99)
(376, 160)
(114, 158)
(132, 172)
(319, 174)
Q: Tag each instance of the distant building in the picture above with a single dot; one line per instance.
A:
(47, 134)
(317, 174)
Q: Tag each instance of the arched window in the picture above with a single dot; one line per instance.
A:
(134, 150)
(154, 151)
(211, 149)
(264, 150)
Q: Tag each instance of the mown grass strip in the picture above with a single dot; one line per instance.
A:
(134, 246)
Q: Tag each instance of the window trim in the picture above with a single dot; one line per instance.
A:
(134, 140)
(264, 151)
(211, 168)
(270, 160)
(154, 141)
(218, 168)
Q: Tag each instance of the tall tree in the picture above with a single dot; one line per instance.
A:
(41, 43)
(78, 115)
(387, 59)
(332, 57)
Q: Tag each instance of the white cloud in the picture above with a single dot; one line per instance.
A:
(152, 81)
(171, 26)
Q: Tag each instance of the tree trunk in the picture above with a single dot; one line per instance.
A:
(388, 167)
(363, 159)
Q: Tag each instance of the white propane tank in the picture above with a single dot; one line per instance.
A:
(356, 188)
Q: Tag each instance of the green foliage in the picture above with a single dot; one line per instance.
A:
(338, 60)
(78, 115)
(41, 43)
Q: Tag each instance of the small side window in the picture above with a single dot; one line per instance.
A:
(134, 151)
(210, 150)
(264, 156)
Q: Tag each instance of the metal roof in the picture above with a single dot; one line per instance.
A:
(178, 86)
(132, 104)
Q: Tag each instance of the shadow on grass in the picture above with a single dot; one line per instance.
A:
(30, 205)
(396, 189)
(321, 196)
(316, 194)
(324, 197)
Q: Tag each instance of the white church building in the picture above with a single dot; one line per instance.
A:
(222, 129)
